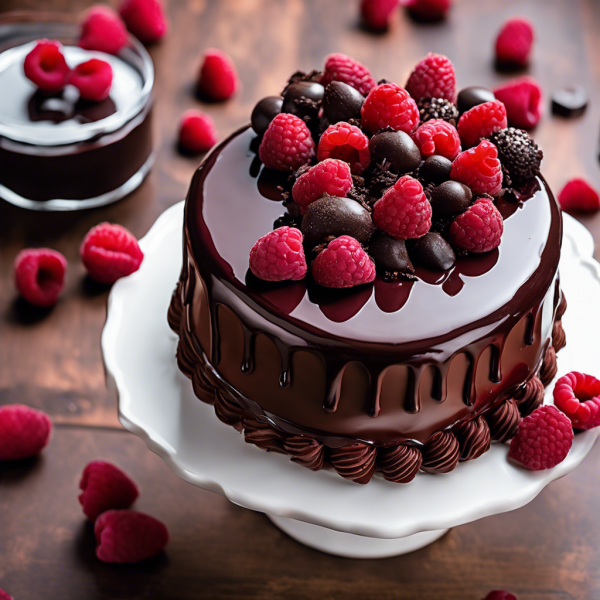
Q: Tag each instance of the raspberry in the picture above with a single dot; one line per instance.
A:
(578, 196)
(519, 155)
(146, 19)
(437, 108)
(345, 142)
(40, 275)
(105, 487)
(279, 255)
(125, 536)
(93, 79)
(428, 10)
(479, 168)
(514, 41)
(197, 132)
(343, 264)
(287, 144)
(331, 177)
(437, 137)
(404, 211)
(543, 439)
(376, 14)
(110, 252)
(481, 121)
(479, 228)
(24, 432)
(218, 78)
(433, 77)
(389, 105)
(4, 595)
(46, 66)
(500, 595)
(103, 30)
(522, 99)
(578, 396)
(339, 67)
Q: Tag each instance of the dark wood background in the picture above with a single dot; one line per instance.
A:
(548, 550)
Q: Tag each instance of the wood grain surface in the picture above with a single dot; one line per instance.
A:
(548, 550)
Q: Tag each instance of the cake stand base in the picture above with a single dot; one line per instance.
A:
(349, 545)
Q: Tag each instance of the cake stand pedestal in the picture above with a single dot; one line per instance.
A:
(321, 510)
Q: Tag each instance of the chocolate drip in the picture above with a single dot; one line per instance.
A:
(439, 387)
(333, 383)
(530, 329)
(262, 435)
(399, 464)
(307, 452)
(469, 386)
(285, 377)
(549, 367)
(562, 307)
(412, 402)
(474, 438)
(559, 339)
(248, 357)
(530, 396)
(441, 453)
(495, 367)
(355, 462)
(228, 411)
(504, 421)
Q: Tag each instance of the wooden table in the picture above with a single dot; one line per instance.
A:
(545, 551)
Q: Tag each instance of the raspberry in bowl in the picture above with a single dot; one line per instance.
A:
(363, 288)
(75, 123)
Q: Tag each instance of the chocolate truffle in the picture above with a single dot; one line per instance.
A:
(473, 96)
(302, 98)
(390, 255)
(264, 112)
(397, 148)
(436, 169)
(450, 198)
(433, 252)
(341, 102)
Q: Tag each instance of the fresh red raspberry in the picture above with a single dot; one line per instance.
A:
(543, 440)
(279, 255)
(103, 30)
(481, 121)
(287, 144)
(433, 77)
(578, 196)
(93, 79)
(331, 177)
(479, 228)
(343, 264)
(578, 396)
(146, 19)
(339, 67)
(24, 432)
(377, 14)
(110, 252)
(404, 211)
(514, 42)
(105, 487)
(522, 99)
(46, 66)
(218, 79)
(500, 595)
(345, 142)
(437, 137)
(125, 536)
(389, 105)
(428, 10)
(479, 168)
(40, 275)
(197, 132)
(4, 595)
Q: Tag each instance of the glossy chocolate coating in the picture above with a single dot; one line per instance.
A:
(436, 169)
(264, 112)
(473, 96)
(390, 255)
(570, 101)
(341, 102)
(397, 148)
(295, 95)
(433, 252)
(450, 198)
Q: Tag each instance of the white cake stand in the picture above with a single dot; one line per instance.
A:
(321, 510)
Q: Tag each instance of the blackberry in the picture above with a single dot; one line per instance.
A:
(437, 108)
(518, 153)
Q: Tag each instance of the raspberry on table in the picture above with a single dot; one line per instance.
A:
(287, 144)
(339, 67)
(437, 108)
(125, 536)
(110, 252)
(519, 155)
(345, 142)
(24, 431)
(479, 228)
(522, 99)
(479, 169)
(389, 105)
(377, 14)
(543, 440)
(578, 396)
(578, 196)
(481, 121)
(343, 264)
(93, 78)
(217, 79)
(197, 132)
(437, 137)
(103, 30)
(428, 10)
(40, 275)
(330, 176)
(433, 77)
(4, 595)
(404, 211)
(105, 487)
(514, 42)
(146, 19)
(46, 66)
(279, 255)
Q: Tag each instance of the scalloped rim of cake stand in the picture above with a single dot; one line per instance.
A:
(157, 404)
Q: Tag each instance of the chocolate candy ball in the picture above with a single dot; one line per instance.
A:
(336, 216)
(341, 102)
(450, 198)
(569, 101)
(433, 252)
(264, 112)
(390, 255)
(436, 169)
(397, 148)
(299, 98)
(473, 96)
